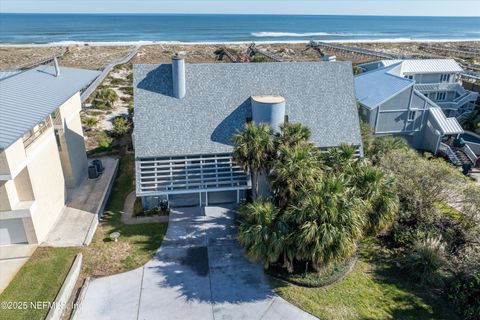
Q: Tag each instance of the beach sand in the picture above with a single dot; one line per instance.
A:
(96, 57)
(119, 79)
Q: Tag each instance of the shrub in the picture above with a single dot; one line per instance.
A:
(104, 98)
(156, 212)
(427, 260)
(137, 207)
(117, 81)
(259, 58)
(93, 113)
(465, 293)
(89, 122)
(127, 90)
(105, 142)
(121, 126)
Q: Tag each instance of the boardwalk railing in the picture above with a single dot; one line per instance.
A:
(366, 52)
(89, 90)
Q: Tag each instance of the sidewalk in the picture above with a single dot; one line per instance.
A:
(79, 220)
(127, 213)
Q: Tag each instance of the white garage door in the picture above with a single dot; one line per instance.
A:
(12, 232)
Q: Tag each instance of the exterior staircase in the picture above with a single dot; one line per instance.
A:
(462, 156)
(459, 156)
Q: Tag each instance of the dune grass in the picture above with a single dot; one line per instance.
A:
(375, 289)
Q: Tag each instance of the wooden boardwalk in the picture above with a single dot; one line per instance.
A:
(89, 90)
(354, 50)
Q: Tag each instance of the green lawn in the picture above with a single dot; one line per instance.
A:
(43, 275)
(38, 280)
(375, 289)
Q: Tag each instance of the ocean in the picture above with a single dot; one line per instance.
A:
(147, 28)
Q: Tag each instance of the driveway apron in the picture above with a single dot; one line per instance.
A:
(198, 273)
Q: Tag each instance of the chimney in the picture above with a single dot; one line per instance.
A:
(57, 68)
(178, 75)
(269, 110)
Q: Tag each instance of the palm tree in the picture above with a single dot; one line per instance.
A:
(367, 138)
(253, 149)
(378, 194)
(328, 221)
(292, 134)
(339, 159)
(383, 145)
(295, 167)
(263, 232)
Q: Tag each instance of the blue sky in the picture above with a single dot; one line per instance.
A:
(361, 7)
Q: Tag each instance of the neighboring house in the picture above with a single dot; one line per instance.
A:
(186, 115)
(42, 149)
(437, 79)
(392, 105)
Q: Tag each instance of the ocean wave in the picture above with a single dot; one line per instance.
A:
(288, 34)
(265, 34)
(186, 43)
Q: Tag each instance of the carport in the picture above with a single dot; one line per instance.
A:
(191, 181)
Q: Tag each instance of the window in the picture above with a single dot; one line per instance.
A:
(57, 138)
(411, 115)
(409, 76)
(441, 96)
(444, 78)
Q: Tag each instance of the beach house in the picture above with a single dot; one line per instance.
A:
(42, 151)
(391, 104)
(186, 114)
(437, 79)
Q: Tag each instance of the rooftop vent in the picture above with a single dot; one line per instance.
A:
(178, 75)
(329, 58)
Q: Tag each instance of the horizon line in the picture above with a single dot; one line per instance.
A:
(252, 14)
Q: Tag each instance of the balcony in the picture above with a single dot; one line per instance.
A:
(433, 87)
(57, 119)
(23, 209)
(466, 97)
(36, 132)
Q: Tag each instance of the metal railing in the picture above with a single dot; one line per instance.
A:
(92, 86)
(440, 87)
(57, 118)
(356, 50)
(35, 133)
(470, 154)
(449, 152)
(470, 97)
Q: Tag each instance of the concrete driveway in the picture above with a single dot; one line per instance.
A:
(198, 273)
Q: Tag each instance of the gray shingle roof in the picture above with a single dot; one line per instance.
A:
(320, 95)
(375, 87)
(27, 97)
